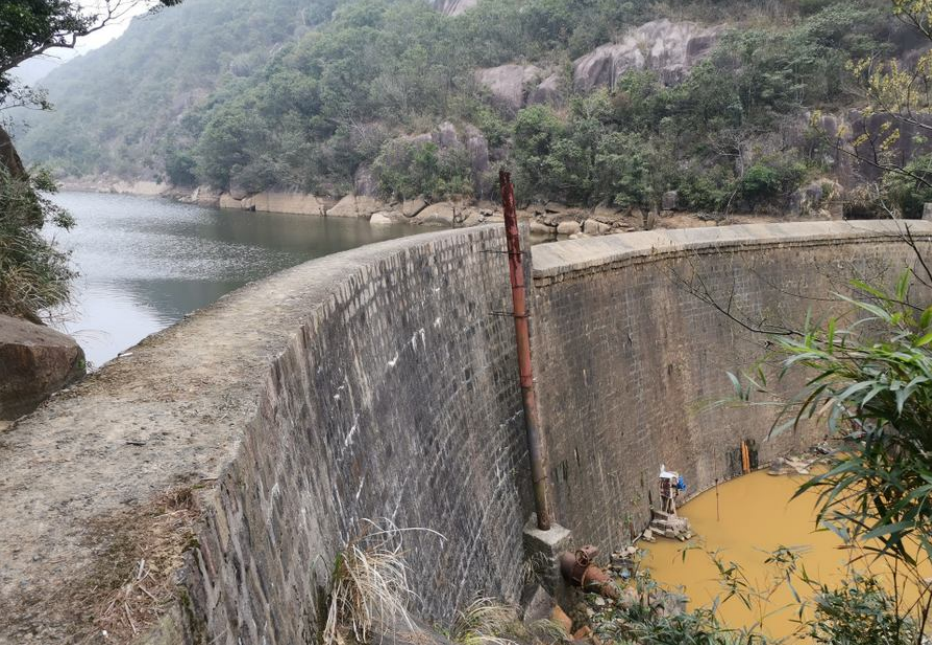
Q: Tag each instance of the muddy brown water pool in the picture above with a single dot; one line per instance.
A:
(749, 519)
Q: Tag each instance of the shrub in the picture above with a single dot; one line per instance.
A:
(711, 190)
(770, 179)
(760, 182)
(408, 169)
(34, 274)
(909, 190)
(180, 167)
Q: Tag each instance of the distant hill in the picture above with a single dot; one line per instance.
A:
(590, 101)
(36, 69)
(129, 95)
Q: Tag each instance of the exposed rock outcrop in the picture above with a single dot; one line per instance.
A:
(509, 83)
(549, 92)
(817, 199)
(902, 140)
(453, 7)
(285, 202)
(412, 207)
(35, 362)
(671, 48)
(595, 227)
(442, 213)
(383, 219)
(229, 202)
(447, 137)
(478, 147)
(356, 206)
(9, 158)
(237, 192)
(568, 228)
(206, 197)
(365, 183)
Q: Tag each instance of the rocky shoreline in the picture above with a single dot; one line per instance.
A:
(550, 220)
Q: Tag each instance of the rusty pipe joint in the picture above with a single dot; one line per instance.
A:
(580, 571)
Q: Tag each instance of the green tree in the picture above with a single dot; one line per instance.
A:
(34, 275)
(409, 169)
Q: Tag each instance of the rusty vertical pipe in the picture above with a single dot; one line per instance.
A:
(535, 439)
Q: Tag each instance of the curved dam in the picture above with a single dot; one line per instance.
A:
(252, 441)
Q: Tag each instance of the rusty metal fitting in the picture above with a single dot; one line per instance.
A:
(578, 569)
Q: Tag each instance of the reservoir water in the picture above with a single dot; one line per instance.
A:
(146, 262)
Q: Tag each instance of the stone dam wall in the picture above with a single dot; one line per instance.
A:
(629, 358)
(395, 400)
(379, 383)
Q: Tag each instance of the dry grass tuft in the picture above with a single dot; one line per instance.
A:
(132, 584)
(483, 622)
(548, 631)
(370, 586)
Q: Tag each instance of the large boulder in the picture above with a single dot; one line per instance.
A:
(568, 228)
(207, 197)
(35, 362)
(478, 148)
(228, 202)
(285, 202)
(509, 84)
(901, 139)
(447, 137)
(549, 92)
(384, 218)
(595, 227)
(238, 192)
(442, 213)
(670, 200)
(412, 207)
(356, 206)
(471, 217)
(670, 48)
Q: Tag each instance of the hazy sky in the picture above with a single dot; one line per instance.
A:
(34, 70)
(110, 32)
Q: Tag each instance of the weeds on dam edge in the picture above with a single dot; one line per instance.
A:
(370, 585)
(371, 592)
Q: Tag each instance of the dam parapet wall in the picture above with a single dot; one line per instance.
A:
(381, 384)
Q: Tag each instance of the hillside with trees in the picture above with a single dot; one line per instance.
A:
(728, 106)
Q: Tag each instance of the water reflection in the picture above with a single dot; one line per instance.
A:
(145, 263)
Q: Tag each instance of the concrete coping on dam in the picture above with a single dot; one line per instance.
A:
(558, 260)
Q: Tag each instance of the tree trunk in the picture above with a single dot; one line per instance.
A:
(9, 158)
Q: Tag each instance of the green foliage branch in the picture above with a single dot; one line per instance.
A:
(34, 273)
